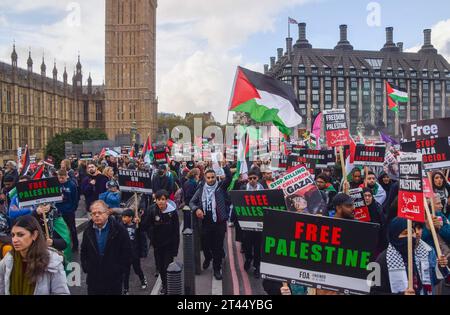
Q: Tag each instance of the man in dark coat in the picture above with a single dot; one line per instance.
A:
(93, 185)
(211, 204)
(105, 252)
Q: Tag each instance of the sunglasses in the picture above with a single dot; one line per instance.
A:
(253, 178)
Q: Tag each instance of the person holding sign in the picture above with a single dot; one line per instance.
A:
(394, 264)
(14, 210)
(31, 268)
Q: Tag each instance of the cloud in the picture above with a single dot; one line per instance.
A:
(74, 27)
(440, 38)
(197, 44)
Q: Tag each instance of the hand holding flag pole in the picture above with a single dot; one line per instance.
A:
(432, 229)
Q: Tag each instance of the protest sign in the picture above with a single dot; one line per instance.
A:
(336, 128)
(320, 252)
(319, 158)
(86, 156)
(295, 160)
(298, 183)
(278, 161)
(410, 195)
(361, 211)
(435, 152)
(39, 191)
(426, 129)
(369, 155)
(135, 181)
(249, 206)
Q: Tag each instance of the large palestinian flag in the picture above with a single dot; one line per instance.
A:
(265, 99)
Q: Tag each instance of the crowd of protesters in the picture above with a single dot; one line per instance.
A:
(34, 253)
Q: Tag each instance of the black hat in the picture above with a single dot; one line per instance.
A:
(190, 165)
(342, 199)
(128, 213)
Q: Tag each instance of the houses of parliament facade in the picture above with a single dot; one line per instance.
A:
(35, 106)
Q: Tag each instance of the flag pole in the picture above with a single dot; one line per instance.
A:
(410, 256)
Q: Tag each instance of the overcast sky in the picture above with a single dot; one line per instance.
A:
(200, 42)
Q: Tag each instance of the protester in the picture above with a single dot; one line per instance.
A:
(164, 233)
(9, 184)
(442, 227)
(377, 190)
(253, 240)
(31, 268)
(109, 172)
(11, 170)
(69, 205)
(386, 182)
(327, 190)
(112, 196)
(211, 205)
(127, 219)
(163, 180)
(442, 188)
(191, 184)
(356, 179)
(393, 264)
(376, 216)
(93, 185)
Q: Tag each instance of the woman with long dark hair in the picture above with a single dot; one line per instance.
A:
(31, 268)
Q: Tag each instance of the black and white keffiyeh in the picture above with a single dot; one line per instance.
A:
(209, 199)
(398, 276)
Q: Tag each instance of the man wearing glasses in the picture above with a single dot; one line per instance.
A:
(105, 252)
(211, 204)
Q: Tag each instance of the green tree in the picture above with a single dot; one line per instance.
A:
(56, 146)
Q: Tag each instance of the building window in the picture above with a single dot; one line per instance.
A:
(98, 111)
(302, 83)
(37, 138)
(315, 83)
(23, 136)
(86, 112)
(341, 84)
(301, 70)
(7, 143)
(8, 101)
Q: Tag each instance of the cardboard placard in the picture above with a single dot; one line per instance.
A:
(300, 191)
(426, 129)
(86, 156)
(135, 181)
(435, 152)
(35, 192)
(369, 155)
(361, 211)
(320, 252)
(249, 206)
(410, 194)
(160, 155)
(336, 127)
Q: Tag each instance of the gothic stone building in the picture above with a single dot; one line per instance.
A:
(355, 80)
(34, 108)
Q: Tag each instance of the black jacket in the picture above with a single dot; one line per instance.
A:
(116, 259)
(163, 229)
(222, 198)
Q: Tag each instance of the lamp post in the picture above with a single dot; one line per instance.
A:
(133, 134)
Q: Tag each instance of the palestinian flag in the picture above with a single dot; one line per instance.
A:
(330, 187)
(103, 153)
(395, 96)
(25, 162)
(147, 151)
(265, 99)
(242, 156)
(132, 154)
(39, 173)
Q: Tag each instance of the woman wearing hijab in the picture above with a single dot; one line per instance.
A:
(376, 216)
(442, 188)
(393, 262)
